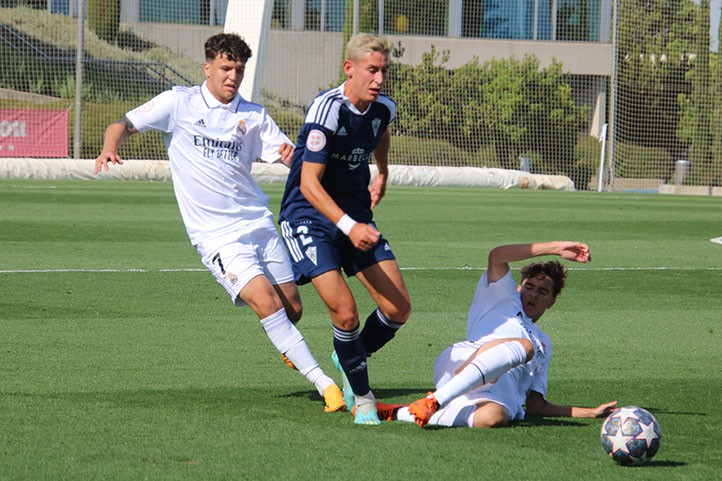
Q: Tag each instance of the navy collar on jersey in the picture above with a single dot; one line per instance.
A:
(214, 103)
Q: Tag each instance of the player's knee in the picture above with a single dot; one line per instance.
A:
(346, 320)
(488, 423)
(398, 312)
(264, 306)
(491, 415)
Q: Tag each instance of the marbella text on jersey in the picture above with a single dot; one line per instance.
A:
(354, 159)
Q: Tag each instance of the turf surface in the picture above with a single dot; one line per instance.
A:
(122, 359)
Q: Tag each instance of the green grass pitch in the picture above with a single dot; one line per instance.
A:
(122, 359)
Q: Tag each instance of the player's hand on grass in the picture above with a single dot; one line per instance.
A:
(105, 157)
(364, 236)
(604, 410)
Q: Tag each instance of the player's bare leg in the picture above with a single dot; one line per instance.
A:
(387, 288)
(348, 344)
(291, 300)
(263, 298)
(487, 414)
(485, 366)
(490, 415)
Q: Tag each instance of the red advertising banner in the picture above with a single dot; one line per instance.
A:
(33, 133)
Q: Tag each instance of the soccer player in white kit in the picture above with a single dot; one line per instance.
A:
(213, 135)
(502, 365)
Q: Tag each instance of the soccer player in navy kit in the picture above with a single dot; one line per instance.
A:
(327, 221)
(213, 135)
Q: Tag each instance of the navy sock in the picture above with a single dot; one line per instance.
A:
(352, 356)
(378, 331)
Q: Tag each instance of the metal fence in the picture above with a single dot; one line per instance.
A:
(616, 95)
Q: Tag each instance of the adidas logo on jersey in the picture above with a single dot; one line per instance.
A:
(200, 123)
(342, 131)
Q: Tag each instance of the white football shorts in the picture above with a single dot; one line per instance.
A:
(460, 411)
(235, 259)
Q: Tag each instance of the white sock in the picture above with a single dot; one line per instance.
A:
(289, 341)
(403, 414)
(486, 368)
(367, 398)
(463, 419)
(366, 403)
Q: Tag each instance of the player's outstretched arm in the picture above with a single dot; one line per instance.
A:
(500, 257)
(537, 406)
(115, 135)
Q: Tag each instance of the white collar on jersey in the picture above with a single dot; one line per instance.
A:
(214, 103)
(352, 107)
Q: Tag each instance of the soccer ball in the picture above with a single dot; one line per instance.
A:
(631, 436)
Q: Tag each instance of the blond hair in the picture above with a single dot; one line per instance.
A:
(364, 43)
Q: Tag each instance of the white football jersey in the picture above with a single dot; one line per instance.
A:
(211, 147)
(496, 313)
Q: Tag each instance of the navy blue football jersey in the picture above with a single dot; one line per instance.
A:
(336, 134)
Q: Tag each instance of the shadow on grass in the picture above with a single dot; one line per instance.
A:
(534, 421)
(194, 397)
(657, 411)
(385, 395)
(660, 464)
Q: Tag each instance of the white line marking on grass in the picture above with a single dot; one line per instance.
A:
(466, 268)
(34, 186)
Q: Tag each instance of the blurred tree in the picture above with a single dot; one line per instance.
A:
(700, 152)
(511, 105)
(104, 19)
(656, 39)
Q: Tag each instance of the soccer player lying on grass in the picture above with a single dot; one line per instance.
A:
(485, 380)
(213, 135)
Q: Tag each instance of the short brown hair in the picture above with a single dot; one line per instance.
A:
(554, 270)
(229, 44)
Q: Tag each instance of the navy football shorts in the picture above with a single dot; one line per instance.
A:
(318, 247)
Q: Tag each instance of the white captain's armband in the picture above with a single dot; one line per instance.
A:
(345, 224)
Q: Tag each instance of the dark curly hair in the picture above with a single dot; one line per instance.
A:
(552, 269)
(228, 44)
